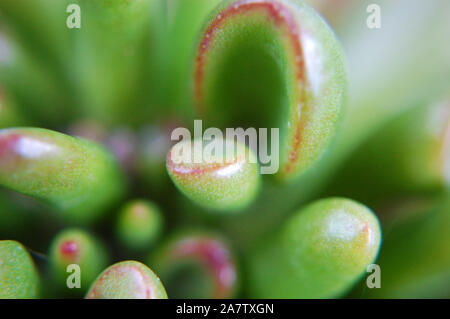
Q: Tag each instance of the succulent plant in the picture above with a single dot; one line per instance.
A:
(218, 181)
(76, 247)
(77, 177)
(320, 253)
(18, 275)
(90, 164)
(139, 225)
(197, 264)
(416, 246)
(127, 280)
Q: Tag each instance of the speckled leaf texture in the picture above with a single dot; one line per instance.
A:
(139, 225)
(76, 246)
(78, 177)
(127, 280)
(320, 253)
(197, 264)
(272, 64)
(18, 275)
(219, 181)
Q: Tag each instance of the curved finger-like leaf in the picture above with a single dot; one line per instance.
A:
(18, 275)
(75, 246)
(227, 180)
(197, 265)
(320, 253)
(117, 48)
(139, 224)
(78, 177)
(272, 63)
(410, 154)
(127, 280)
(415, 258)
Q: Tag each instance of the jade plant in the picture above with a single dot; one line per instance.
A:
(76, 247)
(18, 275)
(139, 225)
(127, 280)
(78, 178)
(197, 264)
(319, 253)
(93, 172)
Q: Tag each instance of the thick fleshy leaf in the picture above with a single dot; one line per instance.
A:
(415, 257)
(116, 50)
(76, 246)
(139, 224)
(226, 180)
(18, 275)
(197, 265)
(9, 114)
(76, 176)
(272, 63)
(127, 280)
(320, 253)
(408, 155)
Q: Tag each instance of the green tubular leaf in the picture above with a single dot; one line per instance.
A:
(18, 275)
(216, 182)
(272, 63)
(410, 154)
(381, 90)
(127, 280)
(40, 27)
(378, 91)
(197, 265)
(76, 246)
(41, 97)
(9, 114)
(116, 54)
(184, 19)
(415, 257)
(139, 224)
(320, 253)
(78, 177)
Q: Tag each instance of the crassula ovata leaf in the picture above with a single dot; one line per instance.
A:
(422, 136)
(227, 180)
(272, 63)
(139, 224)
(76, 246)
(415, 258)
(127, 280)
(197, 265)
(18, 275)
(78, 177)
(320, 253)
